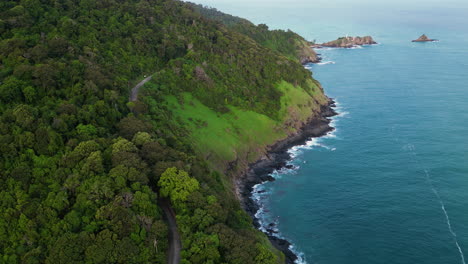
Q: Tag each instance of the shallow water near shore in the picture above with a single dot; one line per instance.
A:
(390, 185)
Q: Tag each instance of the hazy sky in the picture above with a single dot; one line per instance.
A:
(384, 5)
(323, 19)
(337, 3)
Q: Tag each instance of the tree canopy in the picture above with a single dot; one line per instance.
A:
(177, 185)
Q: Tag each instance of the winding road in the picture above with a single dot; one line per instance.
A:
(136, 89)
(175, 244)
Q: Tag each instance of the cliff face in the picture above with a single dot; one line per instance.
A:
(349, 42)
(306, 54)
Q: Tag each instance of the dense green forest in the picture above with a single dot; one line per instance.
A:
(82, 168)
(287, 43)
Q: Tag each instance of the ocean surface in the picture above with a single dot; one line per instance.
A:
(390, 185)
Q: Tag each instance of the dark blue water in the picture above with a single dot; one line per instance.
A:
(363, 196)
(390, 185)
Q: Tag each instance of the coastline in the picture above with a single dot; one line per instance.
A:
(275, 159)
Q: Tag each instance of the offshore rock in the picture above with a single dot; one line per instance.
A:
(347, 42)
(423, 38)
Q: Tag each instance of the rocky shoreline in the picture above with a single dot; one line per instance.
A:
(275, 159)
(315, 59)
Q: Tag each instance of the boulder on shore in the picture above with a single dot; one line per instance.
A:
(347, 42)
(423, 38)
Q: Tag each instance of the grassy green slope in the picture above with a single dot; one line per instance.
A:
(243, 135)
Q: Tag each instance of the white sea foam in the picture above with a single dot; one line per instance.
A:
(447, 218)
(328, 48)
(330, 134)
(343, 113)
(296, 151)
(412, 150)
(300, 256)
(326, 62)
(340, 110)
(260, 191)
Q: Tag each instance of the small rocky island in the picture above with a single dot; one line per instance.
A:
(423, 38)
(347, 42)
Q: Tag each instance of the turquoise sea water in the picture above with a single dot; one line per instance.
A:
(390, 185)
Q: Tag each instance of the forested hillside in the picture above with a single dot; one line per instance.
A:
(287, 42)
(82, 169)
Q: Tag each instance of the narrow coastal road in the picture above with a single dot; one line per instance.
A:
(136, 89)
(175, 244)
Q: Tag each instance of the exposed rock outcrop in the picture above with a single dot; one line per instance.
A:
(307, 54)
(423, 38)
(347, 42)
(310, 59)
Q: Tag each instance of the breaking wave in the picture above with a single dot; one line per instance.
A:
(261, 192)
(326, 62)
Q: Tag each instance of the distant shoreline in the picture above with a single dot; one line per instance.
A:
(275, 159)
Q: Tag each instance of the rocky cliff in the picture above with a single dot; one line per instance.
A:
(306, 53)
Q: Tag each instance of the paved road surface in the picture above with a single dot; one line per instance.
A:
(175, 245)
(136, 89)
